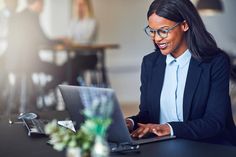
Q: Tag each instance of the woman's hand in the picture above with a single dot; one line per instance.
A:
(129, 124)
(158, 129)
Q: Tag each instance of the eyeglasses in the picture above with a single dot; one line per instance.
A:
(163, 33)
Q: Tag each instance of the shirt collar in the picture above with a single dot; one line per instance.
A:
(182, 60)
(169, 59)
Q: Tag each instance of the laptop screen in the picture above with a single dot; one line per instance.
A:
(78, 97)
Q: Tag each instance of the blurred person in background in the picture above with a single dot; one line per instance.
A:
(6, 13)
(83, 31)
(25, 39)
(83, 28)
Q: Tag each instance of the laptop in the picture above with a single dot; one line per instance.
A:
(76, 98)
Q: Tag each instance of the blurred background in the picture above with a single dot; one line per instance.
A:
(121, 23)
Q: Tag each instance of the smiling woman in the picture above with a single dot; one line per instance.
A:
(170, 38)
(186, 61)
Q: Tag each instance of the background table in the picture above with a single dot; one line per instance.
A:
(99, 49)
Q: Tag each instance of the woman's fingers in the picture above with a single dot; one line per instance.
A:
(161, 130)
(144, 132)
(141, 131)
(158, 129)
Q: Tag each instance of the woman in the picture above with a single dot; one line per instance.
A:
(82, 30)
(185, 82)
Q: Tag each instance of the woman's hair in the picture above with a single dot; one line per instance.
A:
(200, 42)
(89, 6)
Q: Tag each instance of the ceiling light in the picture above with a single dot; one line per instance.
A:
(209, 7)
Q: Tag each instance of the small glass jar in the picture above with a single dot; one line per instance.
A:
(100, 148)
(73, 152)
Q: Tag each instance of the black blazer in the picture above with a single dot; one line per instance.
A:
(207, 110)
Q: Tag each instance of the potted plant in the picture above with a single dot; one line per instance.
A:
(90, 139)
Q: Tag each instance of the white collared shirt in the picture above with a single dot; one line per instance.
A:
(83, 31)
(171, 100)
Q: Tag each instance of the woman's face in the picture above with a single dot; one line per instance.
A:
(39, 6)
(82, 8)
(174, 43)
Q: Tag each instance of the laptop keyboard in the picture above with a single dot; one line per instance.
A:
(34, 126)
(126, 148)
(151, 139)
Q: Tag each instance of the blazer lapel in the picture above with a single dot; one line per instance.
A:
(157, 83)
(192, 80)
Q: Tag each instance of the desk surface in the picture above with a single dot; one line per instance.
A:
(16, 143)
(90, 47)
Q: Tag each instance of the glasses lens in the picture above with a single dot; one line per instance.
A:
(150, 32)
(162, 33)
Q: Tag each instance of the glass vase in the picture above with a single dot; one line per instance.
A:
(73, 152)
(100, 148)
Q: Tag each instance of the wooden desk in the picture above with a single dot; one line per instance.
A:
(16, 143)
(99, 49)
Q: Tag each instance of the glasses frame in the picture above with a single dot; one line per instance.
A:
(157, 31)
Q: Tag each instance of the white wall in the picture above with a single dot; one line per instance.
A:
(56, 17)
(122, 22)
(222, 26)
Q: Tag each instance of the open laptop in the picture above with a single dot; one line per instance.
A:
(78, 97)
